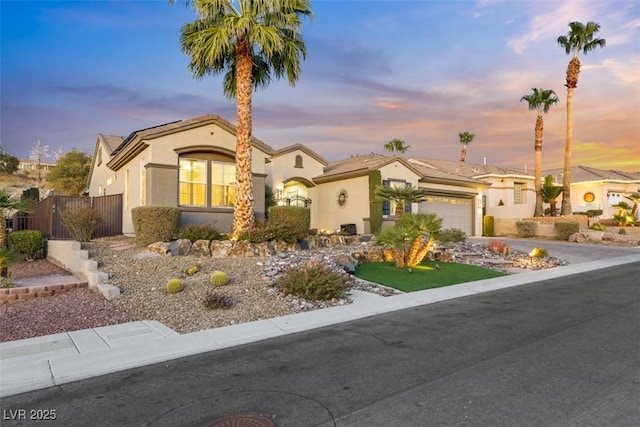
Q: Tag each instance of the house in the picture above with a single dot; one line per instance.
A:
(191, 164)
(187, 163)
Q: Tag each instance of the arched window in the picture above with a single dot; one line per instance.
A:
(207, 180)
(298, 161)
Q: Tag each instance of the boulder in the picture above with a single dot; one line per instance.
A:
(201, 248)
(359, 256)
(375, 255)
(347, 262)
(264, 249)
(220, 248)
(161, 248)
(180, 247)
(242, 249)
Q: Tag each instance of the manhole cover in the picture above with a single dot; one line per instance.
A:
(243, 420)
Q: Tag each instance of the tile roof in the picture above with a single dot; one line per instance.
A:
(586, 174)
(302, 148)
(110, 142)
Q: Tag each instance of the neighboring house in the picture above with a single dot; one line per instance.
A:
(32, 165)
(191, 164)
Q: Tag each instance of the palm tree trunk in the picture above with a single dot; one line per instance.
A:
(3, 230)
(243, 218)
(538, 156)
(424, 250)
(573, 70)
(463, 153)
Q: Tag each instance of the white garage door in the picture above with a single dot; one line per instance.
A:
(456, 212)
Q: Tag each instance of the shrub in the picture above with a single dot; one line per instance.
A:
(292, 222)
(155, 223)
(213, 301)
(314, 282)
(526, 228)
(219, 278)
(81, 222)
(598, 227)
(26, 242)
(290, 233)
(488, 226)
(451, 235)
(174, 286)
(6, 282)
(375, 205)
(591, 213)
(200, 232)
(622, 231)
(7, 259)
(564, 230)
(539, 253)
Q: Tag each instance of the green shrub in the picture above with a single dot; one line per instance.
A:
(290, 223)
(488, 226)
(7, 259)
(81, 222)
(200, 232)
(213, 301)
(174, 286)
(622, 231)
(6, 282)
(539, 253)
(155, 223)
(314, 282)
(290, 233)
(564, 230)
(598, 227)
(526, 228)
(26, 242)
(218, 278)
(591, 213)
(451, 235)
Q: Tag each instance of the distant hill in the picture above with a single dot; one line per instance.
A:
(18, 182)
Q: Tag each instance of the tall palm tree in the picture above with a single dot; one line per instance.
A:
(579, 38)
(465, 138)
(250, 41)
(541, 101)
(396, 145)
(400, 196)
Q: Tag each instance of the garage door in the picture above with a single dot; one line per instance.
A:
(456, 212)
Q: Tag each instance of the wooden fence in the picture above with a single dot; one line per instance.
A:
(47, 214)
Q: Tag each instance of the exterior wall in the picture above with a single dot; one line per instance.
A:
(396, 171)
(283, 167)
(330, 215)
(100, 177)
(503, 189)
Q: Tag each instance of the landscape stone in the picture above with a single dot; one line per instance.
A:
(161, 248)
(180, 247)
(201, 248)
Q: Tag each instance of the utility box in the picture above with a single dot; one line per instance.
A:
(348, 229)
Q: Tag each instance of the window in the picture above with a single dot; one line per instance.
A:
(298, 163)
(223, 184)
(207, 183)
(193, 182)
(517, 193)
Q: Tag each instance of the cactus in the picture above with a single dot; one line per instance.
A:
(174, 286)
(193, 269)
(219, 278)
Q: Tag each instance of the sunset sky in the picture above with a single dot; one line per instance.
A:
(421, 71)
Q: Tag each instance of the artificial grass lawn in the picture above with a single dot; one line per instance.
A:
(423, 276)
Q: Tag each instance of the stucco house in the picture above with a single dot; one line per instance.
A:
(191, 164)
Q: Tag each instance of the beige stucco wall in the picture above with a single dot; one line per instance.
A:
(282, 167)
(329, 215)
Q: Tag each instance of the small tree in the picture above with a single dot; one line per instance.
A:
(550, 193)
(422, 229)
(400, 195)
(39, 153)
(69, 175)
(465, 138)
(9, 203)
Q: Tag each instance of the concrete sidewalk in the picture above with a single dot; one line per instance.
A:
(47, 361)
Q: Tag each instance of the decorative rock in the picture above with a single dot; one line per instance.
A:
(347, 262)
(180, 247)
(264, 249)
(220, 248)
(359, 256)
(201, 248)
(375, 255)
(242, 249)
(351, 240)
(337, 240)
(161, 248)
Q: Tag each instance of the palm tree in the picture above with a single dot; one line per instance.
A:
(396, 145)
(550, 193)
(396, 238)
(541, 101)
(400, 195)
(422, 229)
(465, 138)
(579, 38)
(9, 202)
(249, 41)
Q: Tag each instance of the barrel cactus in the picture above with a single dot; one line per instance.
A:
(219, 278)
(174, 286)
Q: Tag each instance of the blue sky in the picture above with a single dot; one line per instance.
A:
(422, 71)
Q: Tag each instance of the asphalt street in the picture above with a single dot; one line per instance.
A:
(562, 352)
